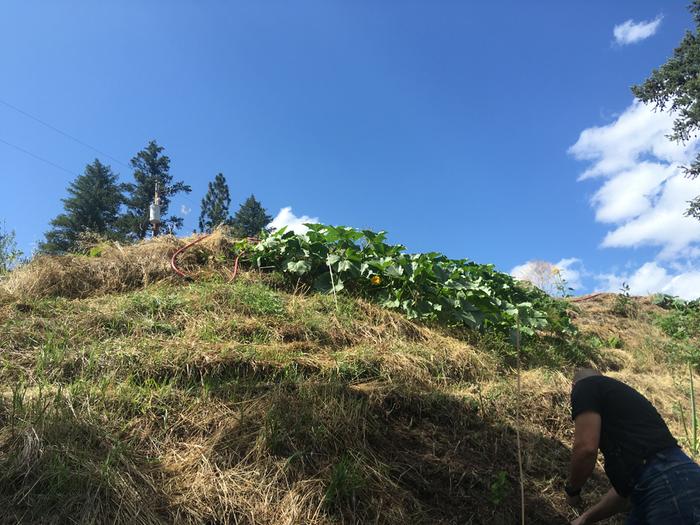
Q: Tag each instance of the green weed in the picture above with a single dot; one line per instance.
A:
(346, 482)
(500, 487)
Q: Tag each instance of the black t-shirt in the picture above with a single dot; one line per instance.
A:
(631, 428)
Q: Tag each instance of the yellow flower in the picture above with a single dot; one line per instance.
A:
(376, 280)
(555, 270)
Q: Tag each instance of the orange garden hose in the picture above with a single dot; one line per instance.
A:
(173, 259)
(586, 297)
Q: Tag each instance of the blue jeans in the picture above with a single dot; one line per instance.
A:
(667, 491)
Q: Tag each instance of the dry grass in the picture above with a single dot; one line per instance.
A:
(131, 397)
(642, 344)
(116, 268)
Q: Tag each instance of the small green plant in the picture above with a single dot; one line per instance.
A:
(10, 255)
(562, 285)
(500, 487)
(595, 342)
(346, 481)
(624, 305)
(614, 341)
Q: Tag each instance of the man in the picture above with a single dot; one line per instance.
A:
(649, 473)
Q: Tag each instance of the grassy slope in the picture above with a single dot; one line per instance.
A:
(212, 402)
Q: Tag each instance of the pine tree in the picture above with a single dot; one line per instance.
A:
(92, 206)
(251, 218)
(215, 205)
(675, 86)
(150, 167)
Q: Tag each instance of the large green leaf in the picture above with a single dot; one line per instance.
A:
(299, 267)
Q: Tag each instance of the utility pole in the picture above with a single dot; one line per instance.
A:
(154, 212)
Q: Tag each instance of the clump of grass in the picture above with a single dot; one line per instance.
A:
(346, 482)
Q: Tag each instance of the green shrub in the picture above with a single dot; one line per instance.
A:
(681, 324)
(624, 305)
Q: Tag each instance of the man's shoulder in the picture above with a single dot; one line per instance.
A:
(599, 381)
(588, 383)
(585, 396)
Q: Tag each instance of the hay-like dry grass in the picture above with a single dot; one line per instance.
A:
(130, 396)
(116, 268)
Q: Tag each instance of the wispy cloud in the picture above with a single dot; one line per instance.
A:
(185, 210)
(285, 217)
(643, 194)
(651, 277)
(630, 32)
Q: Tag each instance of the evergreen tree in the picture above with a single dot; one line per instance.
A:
(251, 218)
(92, 206)
(150, 167)
(676, 86)
(215, 205)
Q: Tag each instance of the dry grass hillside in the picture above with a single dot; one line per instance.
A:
(132, 396)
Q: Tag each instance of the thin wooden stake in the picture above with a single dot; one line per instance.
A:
(517, 424)
(335, 296)
(694, 412)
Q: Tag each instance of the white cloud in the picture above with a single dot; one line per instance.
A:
(630, 32)
(285, 217)
(644, 192)
(550, 276)
(653, 278)
(642, 196)
(639, 131)
(185, 210)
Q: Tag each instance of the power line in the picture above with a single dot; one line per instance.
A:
(68, 135)
(42, 159)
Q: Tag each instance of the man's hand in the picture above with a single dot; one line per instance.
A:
(609, 505)
(581, 520)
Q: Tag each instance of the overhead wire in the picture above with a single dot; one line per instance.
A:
(61, 132)
(37, 157)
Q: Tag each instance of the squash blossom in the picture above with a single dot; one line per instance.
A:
(376, 280)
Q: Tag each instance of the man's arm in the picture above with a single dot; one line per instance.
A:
(585, 449)
(609, 505)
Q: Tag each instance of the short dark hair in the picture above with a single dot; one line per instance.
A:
(583, 373)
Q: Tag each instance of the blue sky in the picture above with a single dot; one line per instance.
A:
(448, 124)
